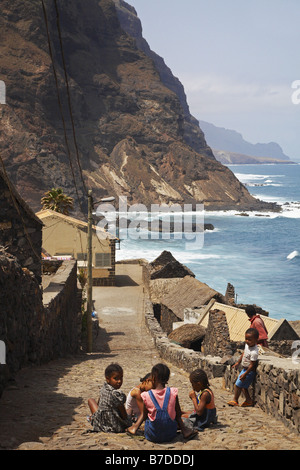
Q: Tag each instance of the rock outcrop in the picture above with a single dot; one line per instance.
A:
(229, 144)
(233, 158)
(117, 125)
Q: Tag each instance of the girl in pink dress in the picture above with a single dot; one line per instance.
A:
(162, 412)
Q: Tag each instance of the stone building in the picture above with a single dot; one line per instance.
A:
(20, 228)
(172, 296)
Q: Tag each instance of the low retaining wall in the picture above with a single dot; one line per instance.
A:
(276, 388)
(36, 327)
(61, 330)
(277, 384)
(185, 358)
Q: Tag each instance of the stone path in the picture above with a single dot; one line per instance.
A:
(46, 408)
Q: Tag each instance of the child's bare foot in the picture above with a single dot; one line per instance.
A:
(189, 433)
(132, 430)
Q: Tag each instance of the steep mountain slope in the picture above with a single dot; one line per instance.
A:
(130, 22)
(133, 134)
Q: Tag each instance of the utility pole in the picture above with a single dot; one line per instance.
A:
(90, 275)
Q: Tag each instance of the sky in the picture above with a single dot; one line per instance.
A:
(237, 61)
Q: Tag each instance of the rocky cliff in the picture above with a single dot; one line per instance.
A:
(95, 110)
(234, 158)
(229, 147)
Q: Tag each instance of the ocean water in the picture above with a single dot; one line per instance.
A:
(251, 252)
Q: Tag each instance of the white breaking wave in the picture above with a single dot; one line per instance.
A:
(244, 177)
(291, 210)
(293, 254)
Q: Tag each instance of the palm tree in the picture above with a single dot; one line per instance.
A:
(57, 201)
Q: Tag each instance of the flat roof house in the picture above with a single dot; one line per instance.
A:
(65, 236)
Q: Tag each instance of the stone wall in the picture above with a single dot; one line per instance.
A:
(217, 339)
(167, 318)
(61, 329)
(20, 229)
(185, 358)
(33, 329)
(21, 314)
(276, 389)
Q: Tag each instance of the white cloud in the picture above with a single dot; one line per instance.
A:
(211, 92)
(261, 112)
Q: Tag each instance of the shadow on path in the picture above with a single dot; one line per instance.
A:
(125, 281)
(46, 398)
(31, 408)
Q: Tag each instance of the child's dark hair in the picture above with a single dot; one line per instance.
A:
(147, 376)
(252, 331)
(250, 310)
(114, 367)
(161, 373)
(199, 375)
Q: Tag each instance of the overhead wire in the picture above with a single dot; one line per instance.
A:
(60, 104)
(63, 121)
(69, 95)
(68, 92)
(61, 107)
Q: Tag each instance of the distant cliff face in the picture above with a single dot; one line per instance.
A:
(134, 135)
(231, 141)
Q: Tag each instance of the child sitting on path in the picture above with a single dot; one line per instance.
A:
(134, 402)
(249, 360)
(109, 414)
(162, 413)
(202, 397)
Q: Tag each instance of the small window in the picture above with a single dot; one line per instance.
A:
(81, 256)
(102, 260)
